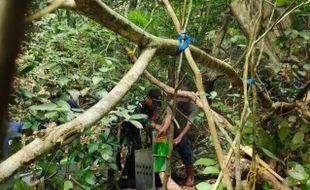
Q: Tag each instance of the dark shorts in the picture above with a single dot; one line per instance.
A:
(185, 150)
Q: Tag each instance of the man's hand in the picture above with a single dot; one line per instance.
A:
(177, 140)
(155, 125)
(161, 132)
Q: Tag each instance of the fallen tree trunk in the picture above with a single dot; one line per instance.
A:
(53, 137)
(263, 174)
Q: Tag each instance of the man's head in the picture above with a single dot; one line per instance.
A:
(153, 98)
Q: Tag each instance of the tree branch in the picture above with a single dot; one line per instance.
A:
(101, 13)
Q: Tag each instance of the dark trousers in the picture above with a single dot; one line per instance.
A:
(185, 151)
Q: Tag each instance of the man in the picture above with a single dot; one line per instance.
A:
(186, 110)
(13, 128)
(130, 135)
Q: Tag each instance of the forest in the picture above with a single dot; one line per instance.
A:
(155, 94)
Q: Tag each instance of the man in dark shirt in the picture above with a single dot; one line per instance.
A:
(130, 134)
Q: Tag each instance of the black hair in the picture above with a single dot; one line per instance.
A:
(154, 93)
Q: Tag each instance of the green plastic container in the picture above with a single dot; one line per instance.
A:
(160, 153)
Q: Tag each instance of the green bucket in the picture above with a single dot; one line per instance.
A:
(160, 153)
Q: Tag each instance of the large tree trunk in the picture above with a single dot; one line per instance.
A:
(11, 30)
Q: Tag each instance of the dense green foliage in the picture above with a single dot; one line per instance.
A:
(67, 56)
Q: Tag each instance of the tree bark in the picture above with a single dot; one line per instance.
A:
(220, 36)
(11, 31)
(54, 137)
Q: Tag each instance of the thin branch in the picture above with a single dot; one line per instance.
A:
(227, 160)
(77, 183)
(188, 14)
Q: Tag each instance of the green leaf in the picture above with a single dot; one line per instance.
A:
(101, 93)
(297, 175)
(205, 162)
(104, 69)
(21, 185)
(112, 59)
(271, 155)
(305, 34)
(204, 186)
(283, 132)
(292, 118)
(63, 104)
(302, 73)
(297, 171)
(92, 147)
(136, 124)
(106, 154)
(68, 185)
(307, 184)
(75, 94)
(90, 178)
(140, 18)
(284, 123)
(266, 186)
(221, 186)
(62, 80)
(307, 67)
(211, 170)
(63, 161)
(27, 69)
(213, 94)
(298, 138)
(51, 115)
(44, 107)
(43, 96)
(233, 95)
(84, 91)
(96, 80)
(138, 116)
(26, 92)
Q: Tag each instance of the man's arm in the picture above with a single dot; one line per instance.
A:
(189, 124)
(181, 135)
(165, 125)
